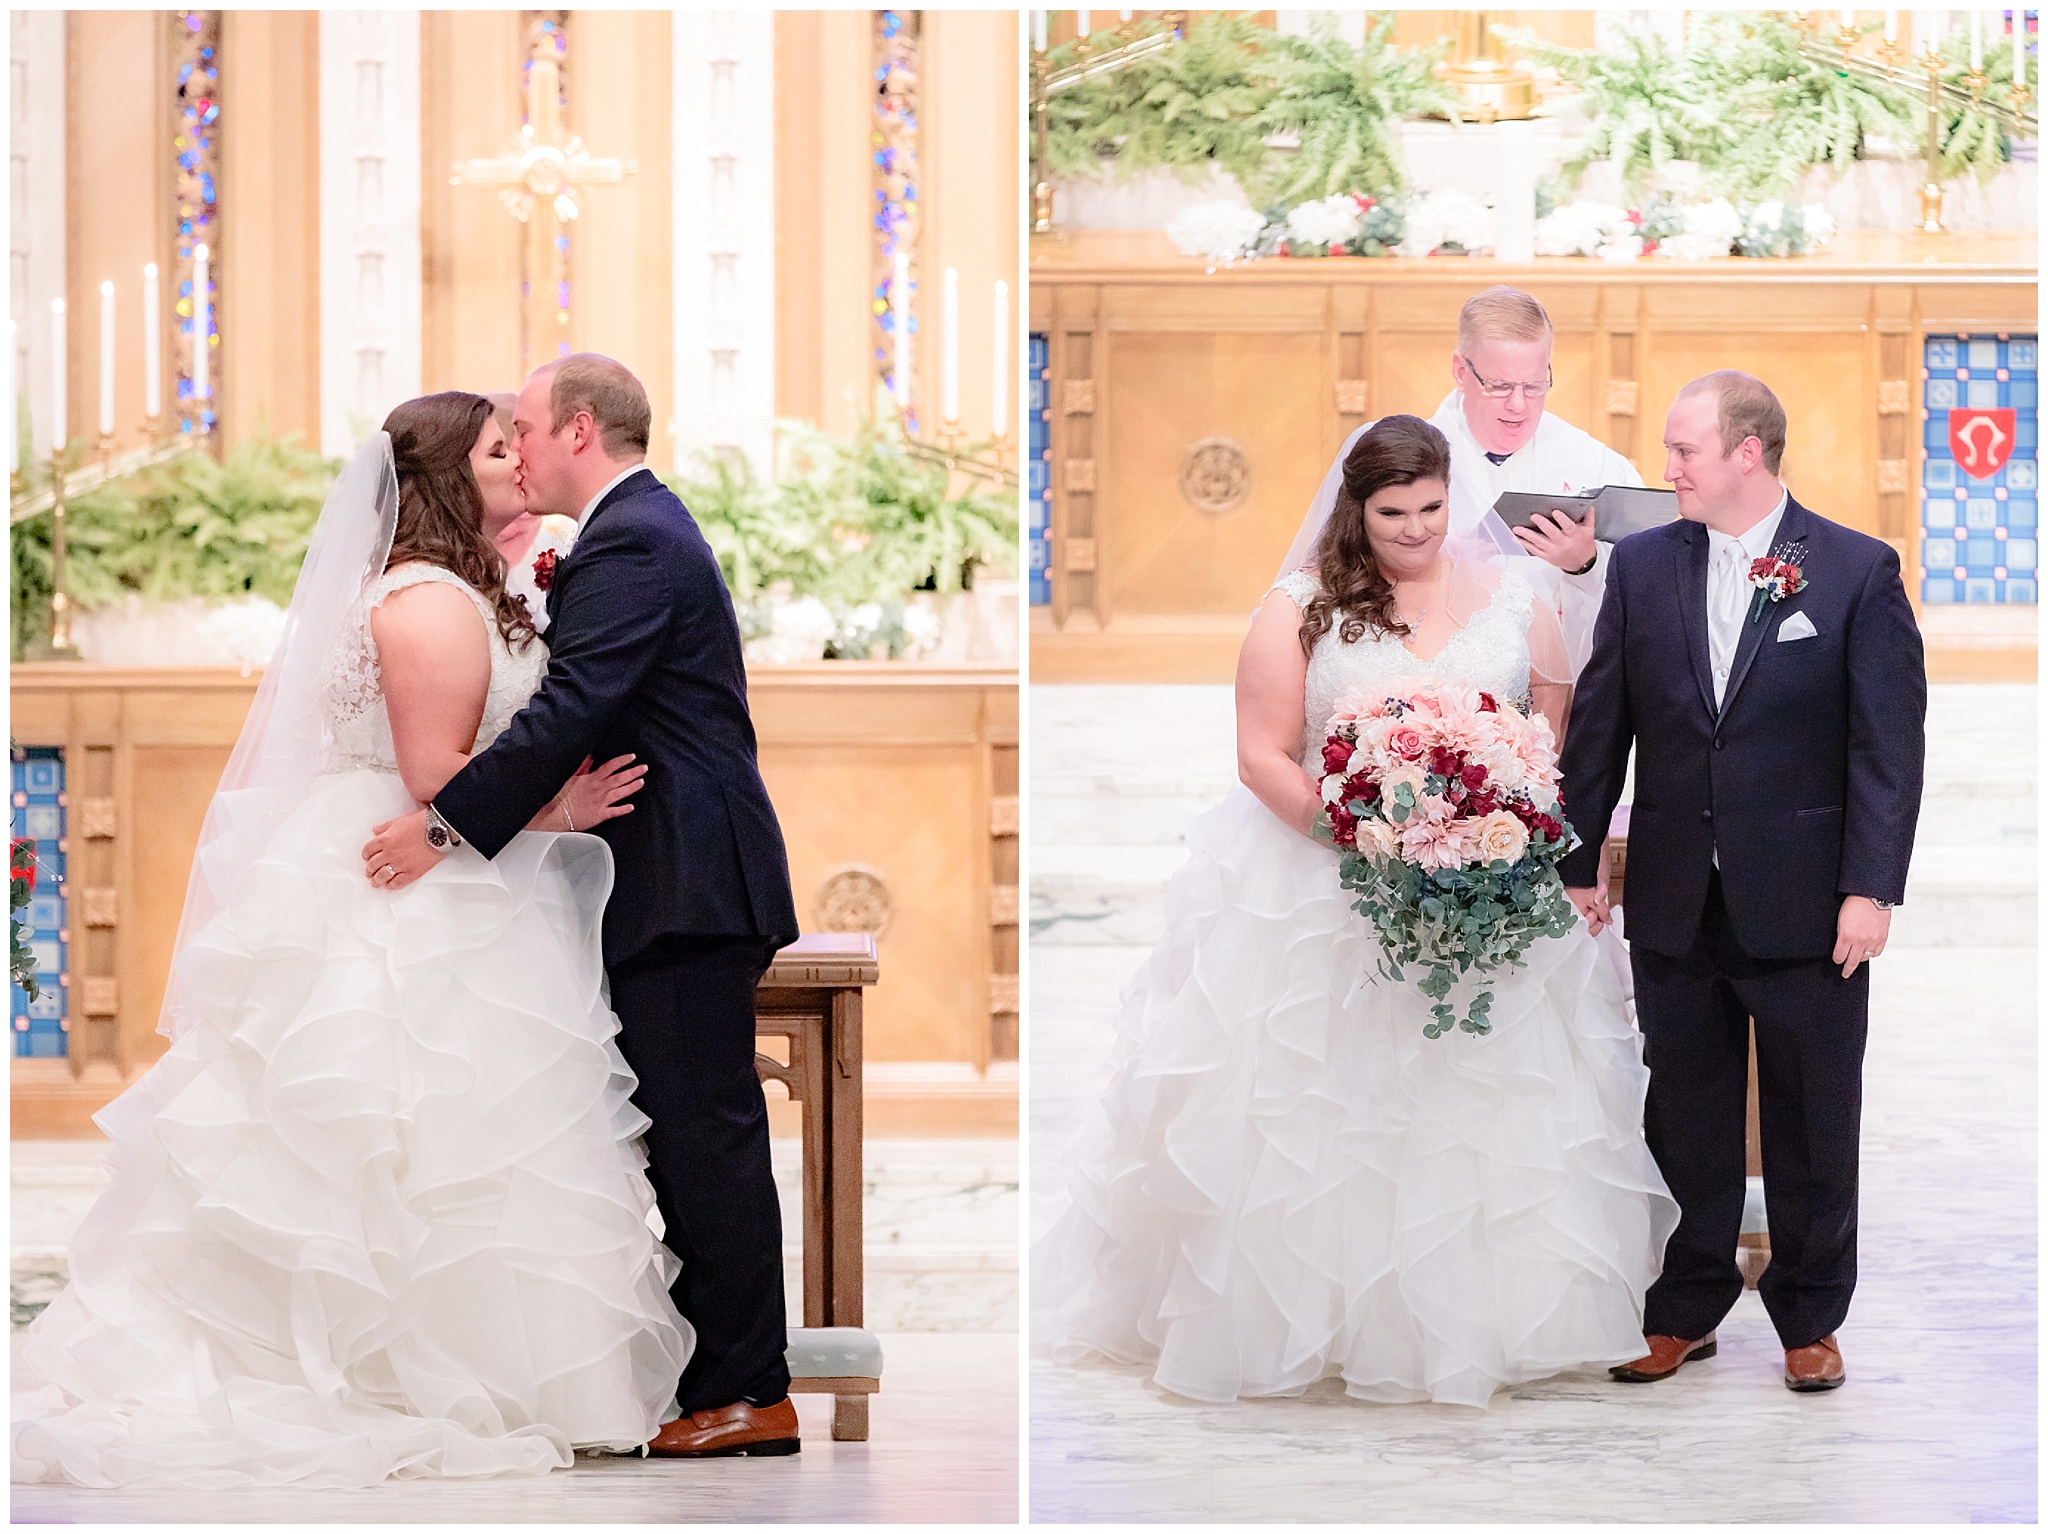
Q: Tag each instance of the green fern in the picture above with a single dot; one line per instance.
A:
(1647, 102)
(1190, 108)
(1786, 114)
(1346, 105)
(1972, 140)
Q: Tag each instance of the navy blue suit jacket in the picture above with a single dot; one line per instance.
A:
(645, 657)
(1806, 779)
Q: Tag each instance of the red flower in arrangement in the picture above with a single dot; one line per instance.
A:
(1635, 216)
(21, 861)
(1336, 755)
(544, 570)
(1487, 704)
(1446, 763)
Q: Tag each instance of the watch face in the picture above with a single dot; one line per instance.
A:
(437, 838)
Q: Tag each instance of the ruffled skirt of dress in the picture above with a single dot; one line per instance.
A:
(1285, 1181)
(381, 1210)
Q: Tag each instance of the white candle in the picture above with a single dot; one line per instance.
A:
(106, 359)
(1848, 18)
(949, 359)
(999, 393)
(1123, 15)
(1891, 26)
(152, 346)
(202, 325)
(1038, 30)
(58, 378)
(1082, 22)
(1976, 40)
(899, 320)
(13, 407)
(1938, 39)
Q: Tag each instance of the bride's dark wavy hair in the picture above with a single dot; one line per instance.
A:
(1351, 587)
(440, 505)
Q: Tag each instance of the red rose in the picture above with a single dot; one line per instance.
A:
(21, 861)
(1344, 826)
(1359, 786)
(1487, 705)
(1336, 755)
(544, 570)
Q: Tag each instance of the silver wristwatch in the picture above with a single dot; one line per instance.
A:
(1882, 905)
(440, 835)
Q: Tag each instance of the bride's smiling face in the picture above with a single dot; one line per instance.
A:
(1406, 525)
(495, 462)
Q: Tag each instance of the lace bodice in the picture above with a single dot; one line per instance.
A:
(1490, 652)
(354, 696)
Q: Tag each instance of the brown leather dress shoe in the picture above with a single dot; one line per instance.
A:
(1664, 1359)
(735, 1429)
(1817, 1366)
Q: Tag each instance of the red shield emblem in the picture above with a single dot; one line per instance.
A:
(1981, 440)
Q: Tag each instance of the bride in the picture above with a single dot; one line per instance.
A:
(1286, 1181)
(380, 1209)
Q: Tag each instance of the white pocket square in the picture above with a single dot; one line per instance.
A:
(1798, 626)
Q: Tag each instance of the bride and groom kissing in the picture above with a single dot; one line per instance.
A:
(1286, 1181)
(381, 1208)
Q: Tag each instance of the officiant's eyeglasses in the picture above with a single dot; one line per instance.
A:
(1505, 390)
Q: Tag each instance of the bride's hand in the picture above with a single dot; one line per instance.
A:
(1591, 904)
(592, 797)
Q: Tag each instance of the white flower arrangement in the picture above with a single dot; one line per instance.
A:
(1580, 228)
(799, 629)
(1447, 217)
(1216, 231)
(1709, 232)
(1329, 221)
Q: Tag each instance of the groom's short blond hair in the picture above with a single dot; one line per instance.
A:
(1746, 408)
(609, 391)
(1501, 313)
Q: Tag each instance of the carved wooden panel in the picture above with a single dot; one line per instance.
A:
(1080, 555)
(1004, 815)
(1894, 395)
(1891, 476)
(1003, 907)
(1077, 396)
(100, 907)
(1622, 394)
(1080, 475)
(97, 819)
(99, 996)
(1003, 993)
(1352, 396)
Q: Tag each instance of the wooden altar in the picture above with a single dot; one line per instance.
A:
(896, 786)
(1276, 361)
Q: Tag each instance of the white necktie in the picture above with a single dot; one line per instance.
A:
(1728, 599)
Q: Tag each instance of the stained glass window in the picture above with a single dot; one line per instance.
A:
(195, 136)
(1979, 506)
(893, 140)
(1038, 470)
(41, 1029)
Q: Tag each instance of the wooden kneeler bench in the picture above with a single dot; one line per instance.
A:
(810, 999)
(1753, 1245)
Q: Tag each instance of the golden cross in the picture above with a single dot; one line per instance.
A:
(541, 163)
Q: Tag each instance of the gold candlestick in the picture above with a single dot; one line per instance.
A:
(1930, 190)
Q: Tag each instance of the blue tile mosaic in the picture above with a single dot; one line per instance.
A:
(1038, 487)
(1995, 562)
(41, 1028)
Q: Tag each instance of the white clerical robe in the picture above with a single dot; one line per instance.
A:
(1560, 458)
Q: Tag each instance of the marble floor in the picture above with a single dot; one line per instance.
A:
(942, 1449)
(1939, 1420)
(941, 1259)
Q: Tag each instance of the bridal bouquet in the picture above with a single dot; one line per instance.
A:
(1444, 803)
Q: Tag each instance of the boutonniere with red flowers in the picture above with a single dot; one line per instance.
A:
(544, 570)
(1776, 576)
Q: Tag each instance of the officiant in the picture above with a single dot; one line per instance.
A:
(1503, 439)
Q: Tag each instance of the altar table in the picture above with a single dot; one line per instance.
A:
(810, 1002)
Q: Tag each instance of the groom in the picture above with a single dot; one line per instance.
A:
(1779, 743)
(645, 658)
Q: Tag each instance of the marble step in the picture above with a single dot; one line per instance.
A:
(1108, 894)
(940, 1250)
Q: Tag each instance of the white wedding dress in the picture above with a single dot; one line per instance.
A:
(1285, 1181)
(381, 1209)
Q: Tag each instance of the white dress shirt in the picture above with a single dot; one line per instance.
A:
(610, 485)
(1729, 593)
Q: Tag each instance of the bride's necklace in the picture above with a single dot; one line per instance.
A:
(1442, 580)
